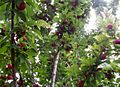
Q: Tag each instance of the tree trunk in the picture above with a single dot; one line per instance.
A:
(55, 68)
(12, 44)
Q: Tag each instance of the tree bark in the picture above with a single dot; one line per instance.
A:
(12, 44)
(55, 68)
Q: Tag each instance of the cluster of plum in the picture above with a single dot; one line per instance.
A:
(103, 56)
(116, 41)
(8, 77)
(110, 27)
(65, 27)
(21, 34)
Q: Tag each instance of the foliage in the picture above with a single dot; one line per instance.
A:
(41, 28)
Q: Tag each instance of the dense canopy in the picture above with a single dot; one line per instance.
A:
(43, 43)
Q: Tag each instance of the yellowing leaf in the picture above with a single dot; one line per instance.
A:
(100, 38)
(42, 23)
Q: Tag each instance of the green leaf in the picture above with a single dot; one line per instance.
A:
(100, 37)
(22, 59)
(116, 61)
(2, 10)
(87, 61)
(118, 80)
(38, 34)
(3, 50)
(42, 23)
(73, 70)
(31, 39)
(99, 76)
(21, 15)
(31, 22)
(31, 54)
(29, 12)
(25, 67)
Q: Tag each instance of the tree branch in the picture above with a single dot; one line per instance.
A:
(21, 80)
(12, 44)
(55, 68)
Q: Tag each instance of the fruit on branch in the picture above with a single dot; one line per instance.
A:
(61, 28)
(35, 85)
(23, 32)
(80, 83)
(9, 66)
(103, 49)
(117, 41)
(21, 6)
(74, 3)
(53, 44)
(68, 47)
(20, 33)
(78, 17)
(24, 38)
(10, 77)
(82, 16)
(22, 45)
(110, 26)
(103, 56)
(63, 42)
(109, 75)
(2, 77)
(71, 30)
(65, 22)
(59, 34)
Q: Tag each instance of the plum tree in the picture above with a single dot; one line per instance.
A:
(56, 59)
